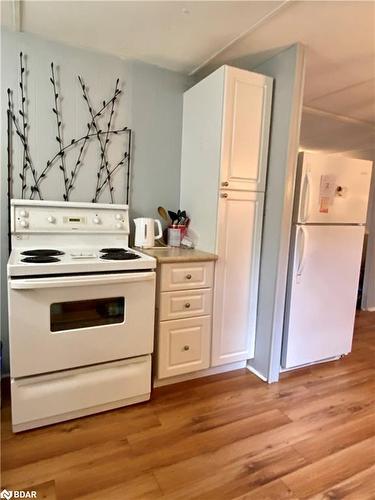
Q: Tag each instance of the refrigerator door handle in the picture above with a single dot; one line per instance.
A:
(305, 202)
(301, 245)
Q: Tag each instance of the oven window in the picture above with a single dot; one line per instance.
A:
(86, 313)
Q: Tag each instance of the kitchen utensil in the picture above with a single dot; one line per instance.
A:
(172, 215)
(145, 232)
(163, 214)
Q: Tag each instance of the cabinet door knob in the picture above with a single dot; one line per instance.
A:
(188, 276)
(187, 305)
(224, 195)
(186, 347)
(225, 184)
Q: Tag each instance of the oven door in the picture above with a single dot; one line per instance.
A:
(64, 322)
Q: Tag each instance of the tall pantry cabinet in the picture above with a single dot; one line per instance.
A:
(226, 123)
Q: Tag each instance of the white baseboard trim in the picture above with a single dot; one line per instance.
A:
(368, 309)
(199, 374)
(255, 372)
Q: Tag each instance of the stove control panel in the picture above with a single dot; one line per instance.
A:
(67, 219)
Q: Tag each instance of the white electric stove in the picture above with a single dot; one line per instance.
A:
(81, 312)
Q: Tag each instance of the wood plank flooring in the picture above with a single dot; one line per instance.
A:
(224, 437)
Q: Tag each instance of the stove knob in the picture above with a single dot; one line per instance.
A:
(118, 217)
(51, 219)
(23, 213)
(24, 223)
(119, 225)
(96, 220)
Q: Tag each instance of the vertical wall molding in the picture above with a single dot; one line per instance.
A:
(368, 295)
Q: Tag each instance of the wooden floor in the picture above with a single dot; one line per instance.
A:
(223, 437)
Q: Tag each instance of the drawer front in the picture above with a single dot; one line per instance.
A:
(184, 346)
(185, 304)
(186, 275)
(45, 396)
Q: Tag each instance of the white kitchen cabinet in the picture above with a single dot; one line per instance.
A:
(183, 313)
(236, 277)
(226, 126)
(183, 346)
(246, 119)
(225, 136)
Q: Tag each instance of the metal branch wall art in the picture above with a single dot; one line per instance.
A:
(32, 178)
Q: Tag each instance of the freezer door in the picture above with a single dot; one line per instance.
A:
(322, 293)
(332, 189)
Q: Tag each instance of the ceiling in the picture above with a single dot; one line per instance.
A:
(175, 35)
(339, 97)
(196, 37)
(322, 131)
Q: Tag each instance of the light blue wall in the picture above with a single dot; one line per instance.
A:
(286, 110)
(368, 299)
(156, 111)
(151, 105)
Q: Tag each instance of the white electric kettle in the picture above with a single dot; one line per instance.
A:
(145, 232)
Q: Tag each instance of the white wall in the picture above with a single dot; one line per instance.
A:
(151, 105)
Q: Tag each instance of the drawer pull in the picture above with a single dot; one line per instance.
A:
(225, 183)
(187, 305)
(186, 347)
(188, 276)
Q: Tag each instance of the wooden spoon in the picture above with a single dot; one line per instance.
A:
(163, 214)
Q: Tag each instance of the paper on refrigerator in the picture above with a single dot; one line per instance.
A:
(327, 192)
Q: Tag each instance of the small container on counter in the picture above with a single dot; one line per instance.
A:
(175, 235)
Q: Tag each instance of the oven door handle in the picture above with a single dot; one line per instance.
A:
(66, 281)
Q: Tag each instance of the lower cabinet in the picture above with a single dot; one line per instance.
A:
(184, 346)
(184, 322)
(206, 314)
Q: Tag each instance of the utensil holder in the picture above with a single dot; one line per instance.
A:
(175, 235)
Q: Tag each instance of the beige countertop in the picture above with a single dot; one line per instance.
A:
(178, 254)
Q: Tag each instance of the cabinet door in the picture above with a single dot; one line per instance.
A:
(183, 346)
(236, 276)
(246, 126)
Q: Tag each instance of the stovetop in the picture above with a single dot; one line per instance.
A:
(52, 237)
(42, 261)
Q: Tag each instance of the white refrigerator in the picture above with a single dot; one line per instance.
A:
(326, 247)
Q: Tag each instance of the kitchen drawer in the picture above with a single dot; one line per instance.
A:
(185, 304)
(184, 346)
(186, 275)
(59, 395)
